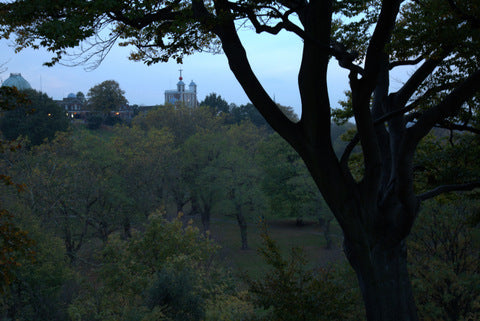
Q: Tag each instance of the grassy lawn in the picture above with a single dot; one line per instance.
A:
(284, 232)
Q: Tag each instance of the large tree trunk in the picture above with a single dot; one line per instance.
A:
(384, 282)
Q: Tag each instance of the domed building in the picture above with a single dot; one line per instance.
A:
(16, 80)
(73, 104)
(186, 96)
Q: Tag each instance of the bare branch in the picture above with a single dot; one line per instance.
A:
(449, 188)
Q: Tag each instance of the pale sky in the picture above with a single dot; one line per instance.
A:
(275, 60)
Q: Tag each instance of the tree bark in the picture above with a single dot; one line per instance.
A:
(384, 282)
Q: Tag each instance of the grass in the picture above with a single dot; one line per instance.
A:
(309, 237)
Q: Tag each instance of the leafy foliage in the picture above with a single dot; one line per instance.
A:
(445, 261)
(38, 120)
(15, 247)
(289, 188)
(40, 288)
(216, 102)
(106, 96)
(164, 273)
(290, 291)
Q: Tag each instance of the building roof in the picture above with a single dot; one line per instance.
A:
(16, 80)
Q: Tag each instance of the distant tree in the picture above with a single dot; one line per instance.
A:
(146, 158)
(246, 112)
(369, 39)
(200, 159)
(182, 122)
(239, 177)
(73, 187)
(106, 96)
(216, 102)
(38, 120)
(164, 273)
(81, 96)
(289, 189)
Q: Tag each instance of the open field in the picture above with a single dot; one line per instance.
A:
(287, 235)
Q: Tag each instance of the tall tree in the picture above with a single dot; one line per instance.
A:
(106, 97)
(374, 37)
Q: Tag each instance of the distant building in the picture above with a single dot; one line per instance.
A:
(16, 80)
(73, 105)
(181, 95)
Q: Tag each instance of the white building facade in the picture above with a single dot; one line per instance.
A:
(187, 97)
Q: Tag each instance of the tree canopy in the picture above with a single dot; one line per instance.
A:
(368, 38)
(38, 119)
(106, 96)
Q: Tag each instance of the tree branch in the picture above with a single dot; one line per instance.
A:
(240, 66)
(163, 14)
(402, 96)
(459, 127)
(405, 62)
(348, 150)
(362, 90)
(449, 107)
(449, 188)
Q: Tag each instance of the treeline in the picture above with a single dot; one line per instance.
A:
(102, 209)
(108, 211)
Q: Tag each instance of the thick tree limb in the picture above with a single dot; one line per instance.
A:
(362, 92)
(312, 78)
(449, 188)
(240, 66)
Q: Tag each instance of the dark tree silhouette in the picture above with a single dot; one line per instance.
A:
(375, 213)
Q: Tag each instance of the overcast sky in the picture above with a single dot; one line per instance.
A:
(275, 60)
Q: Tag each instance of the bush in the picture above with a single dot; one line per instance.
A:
(290, 292)
(94, 122)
